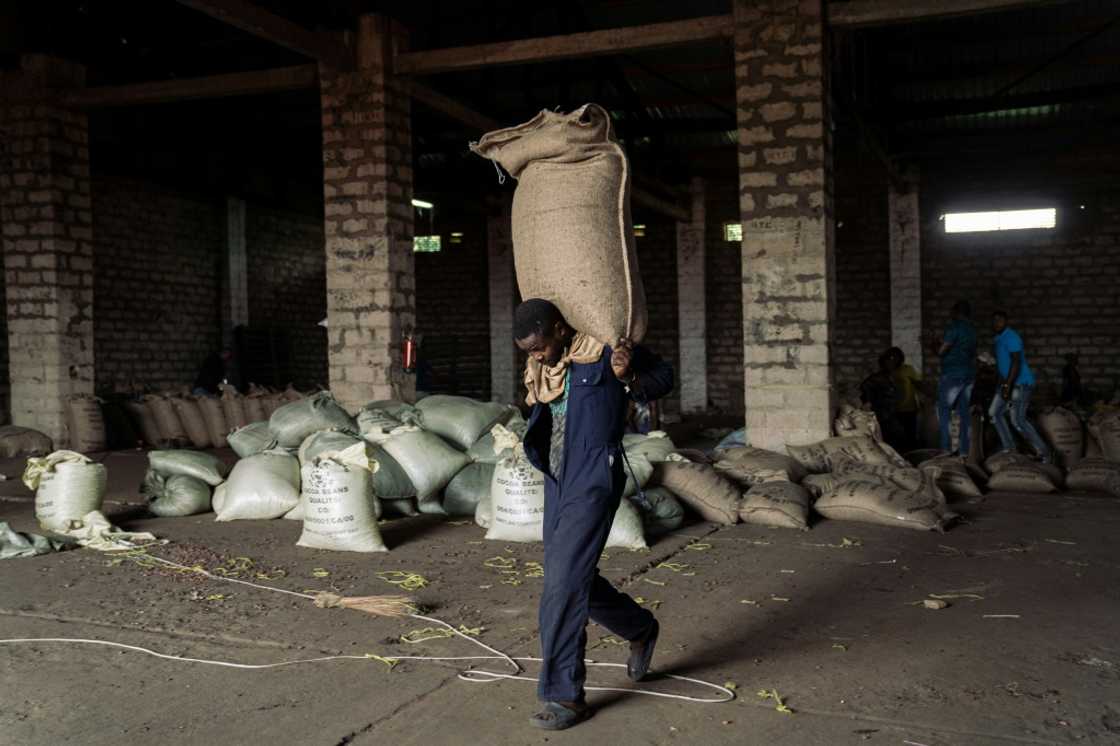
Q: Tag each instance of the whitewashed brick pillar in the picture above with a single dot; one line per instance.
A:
(906, 267)
(692, 311)
(786, 204)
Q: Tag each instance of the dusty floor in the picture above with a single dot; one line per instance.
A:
(1027, 651)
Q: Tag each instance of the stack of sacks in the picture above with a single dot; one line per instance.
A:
(178, 483)
(886, 494)
(773, 495)
(853, 420)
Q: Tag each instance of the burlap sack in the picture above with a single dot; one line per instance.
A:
(23, 441)
(853, 421)
(573, 238)
(884, 503)
(177, 495)
(1062, 430)
(251, 439)
(516, 504)
(215, 418)
(817, 458)
(953, 477)
(233, 407)
(255, 408)
(483, 450)
(145, 421)
(1023, 477)
(665, 512)
(193, 422)
(701, 488)
(470, 486)
(1095, 475)
(627, 531)
(461, 420)
(265, 485)
(749, 466)
(1105, 429)
(171, 430)
(339, 511)
(67, 486)
(906, 477)
(392, 485)
(204, 466)
(294, 422)
(777, 503)
(376, 424)
(429, 462)
(323, 442)
(86, 424)
(656, 446)
(819, 484)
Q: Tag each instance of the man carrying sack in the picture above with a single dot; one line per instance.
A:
(579, 389)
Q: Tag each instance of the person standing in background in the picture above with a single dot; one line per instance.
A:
(1013, 395)
(906, 383)
(958, 376)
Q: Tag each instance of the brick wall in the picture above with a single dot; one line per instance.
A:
(862, 327)
(725, 303)
(157, 284)
(288, 287)
(5, 384)
(1059, 287)
(657, 260)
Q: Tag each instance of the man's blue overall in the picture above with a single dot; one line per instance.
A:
(579, 507)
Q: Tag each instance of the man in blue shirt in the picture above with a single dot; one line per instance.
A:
(958, 376)
(1016, 382)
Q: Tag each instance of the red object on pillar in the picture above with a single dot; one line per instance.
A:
(408, 353)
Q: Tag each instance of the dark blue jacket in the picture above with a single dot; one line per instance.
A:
(596, 419)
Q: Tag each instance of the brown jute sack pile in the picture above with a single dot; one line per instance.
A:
(1095, 475)
(777, 503)
(573, 237)
(854, 421)
(818, 458)
(749, 466)
(701, 488)
(86, 423)
(1104, 427)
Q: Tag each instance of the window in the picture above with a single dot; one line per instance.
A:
(639, 230)
(732, 231)
(999, 220)
(425, 244)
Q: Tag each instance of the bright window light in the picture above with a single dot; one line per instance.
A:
(639, 229)
(732, 231)
(425, 244)
(456, 237)
(1000, 220)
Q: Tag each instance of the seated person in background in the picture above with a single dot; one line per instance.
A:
(878, 392)
(214, 372)
(906, 383)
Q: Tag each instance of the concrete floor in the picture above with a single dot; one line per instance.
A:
(831, 625)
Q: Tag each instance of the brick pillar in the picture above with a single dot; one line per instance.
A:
(48, 244)
(504, 375)
(235, 272)
(785, 200)
(367, 194)
(692, 307)
(906, 268)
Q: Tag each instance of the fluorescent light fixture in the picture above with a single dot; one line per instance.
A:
(639, 229)
(456, 237)
(1000, 220)
(422, 204)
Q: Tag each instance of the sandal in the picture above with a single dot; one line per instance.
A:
(558, 716)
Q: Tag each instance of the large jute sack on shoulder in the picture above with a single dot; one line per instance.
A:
(252, 439)
(1024, 477)
(86, 424)
(67, 486)
(627, 531)
(701, 488)
(171, 430)
(265, 485)
(339, 509)
(429, 462)
(749, 466)
(776, 503)
(233, 406)
(817, 457)
(23, 441)
(884, 503)
(573, 237)
(145, 421)
(663, 513)
(193, 422)
(470, 486)
(1095, 475)
(177, 495)
(459, 419)
(516, 504)
(656, 445)
(953, 477)
(293, 422)
(204, 466)
(215, 418)
(1062, 430)
(1104, 426)
(854, 421)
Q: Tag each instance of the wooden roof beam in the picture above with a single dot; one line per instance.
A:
(326, 48)
(867, 13)
(300, 77)
(567, 46)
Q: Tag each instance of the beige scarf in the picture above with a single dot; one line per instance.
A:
(546, 383)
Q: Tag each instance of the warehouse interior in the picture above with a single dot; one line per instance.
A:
(294, 182)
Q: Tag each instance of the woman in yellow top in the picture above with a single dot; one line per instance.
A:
(906, 383)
